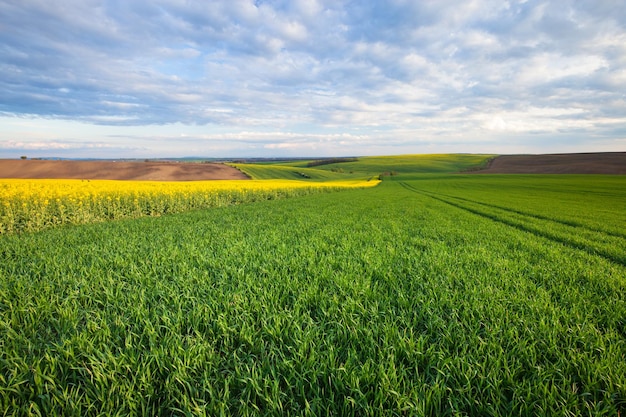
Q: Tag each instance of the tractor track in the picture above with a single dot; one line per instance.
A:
(522, 224)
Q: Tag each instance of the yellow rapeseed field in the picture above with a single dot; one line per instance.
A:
(29, 205)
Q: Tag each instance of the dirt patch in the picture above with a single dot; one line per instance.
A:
(109, 170)
(613, 163)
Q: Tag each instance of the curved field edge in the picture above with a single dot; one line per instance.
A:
(367, 167)
(381, 301)
(31, 205)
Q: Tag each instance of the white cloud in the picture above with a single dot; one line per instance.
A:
(548, 67)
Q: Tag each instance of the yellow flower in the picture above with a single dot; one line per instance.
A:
(160, 197)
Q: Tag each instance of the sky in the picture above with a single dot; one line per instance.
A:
(310, 78)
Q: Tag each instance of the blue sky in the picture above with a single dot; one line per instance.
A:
(244, 78)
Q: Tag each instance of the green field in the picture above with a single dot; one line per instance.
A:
(366, 167)
(431, 294)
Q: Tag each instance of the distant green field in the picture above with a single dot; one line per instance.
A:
(432, 294)
(366, 167)
(292, 172)
(405, 164)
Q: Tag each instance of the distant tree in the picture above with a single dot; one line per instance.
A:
(23, 157)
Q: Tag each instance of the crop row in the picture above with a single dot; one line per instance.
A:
(29, 205)
(591, 202)
(606, 243)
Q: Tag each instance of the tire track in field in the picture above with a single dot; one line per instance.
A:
(567, 223)
(520, 225)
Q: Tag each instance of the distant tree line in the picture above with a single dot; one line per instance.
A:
(330, 161)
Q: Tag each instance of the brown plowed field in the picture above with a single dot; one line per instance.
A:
(574, 163)
(109, 170)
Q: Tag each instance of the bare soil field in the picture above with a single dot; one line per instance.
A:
(110, 170)
(575, 163)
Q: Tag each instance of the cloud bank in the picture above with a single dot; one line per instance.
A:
(311, 77)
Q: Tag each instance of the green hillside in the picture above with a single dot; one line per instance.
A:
(291, 172)
(366, 167)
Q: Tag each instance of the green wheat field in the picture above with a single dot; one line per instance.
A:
(436, 293)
